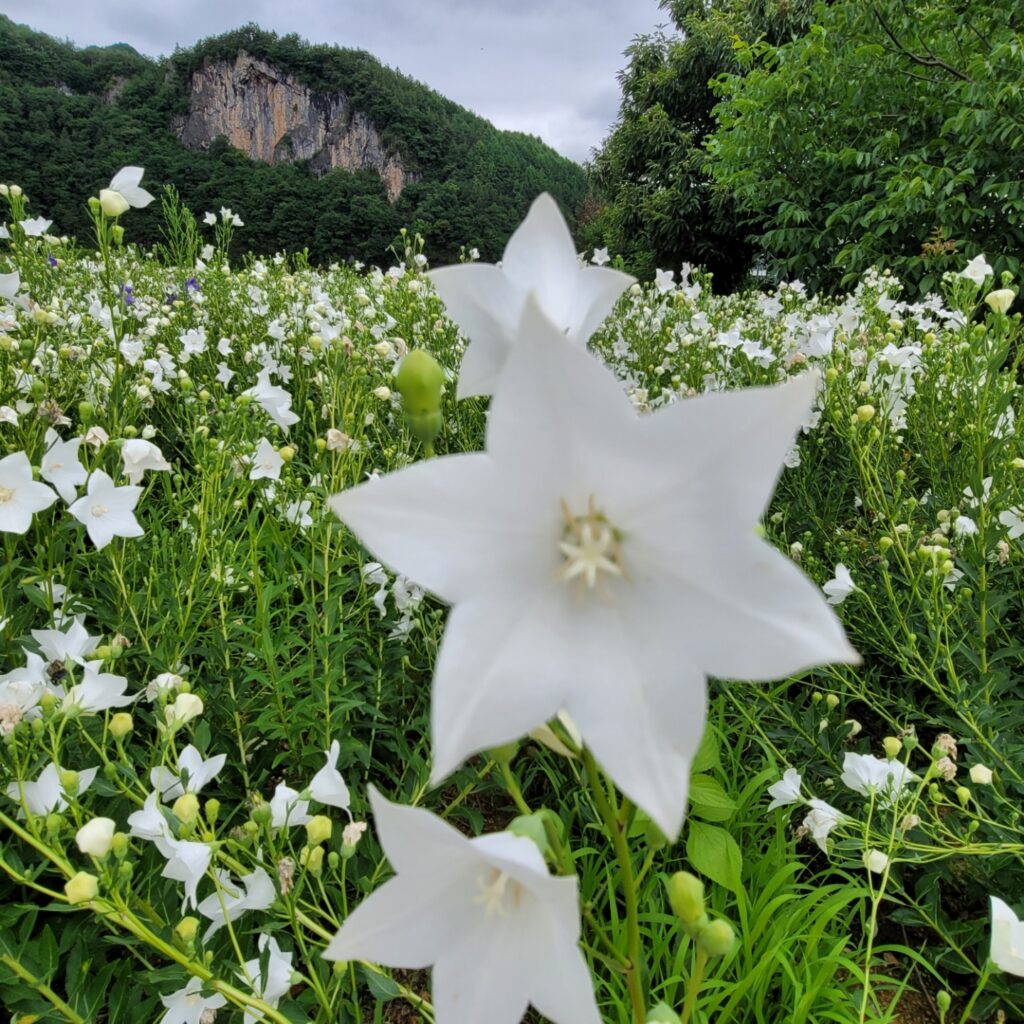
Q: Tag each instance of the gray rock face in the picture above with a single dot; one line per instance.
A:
(273, 118)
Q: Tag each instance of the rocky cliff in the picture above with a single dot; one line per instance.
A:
(272, 117)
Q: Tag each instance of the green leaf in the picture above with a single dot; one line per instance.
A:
(709, 800)
(706, 757)
(714, 853)
(381, 985)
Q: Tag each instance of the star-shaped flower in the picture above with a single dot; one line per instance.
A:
(601, 562)
(107, 511)
(140, 455)
(60, 465)
(540, 259)
(500, 932)
(20, 496)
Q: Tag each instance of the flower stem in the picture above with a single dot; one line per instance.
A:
(615, 828)
(693, 986)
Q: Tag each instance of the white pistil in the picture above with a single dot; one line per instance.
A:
(590, 547)
(99, 511)
(496, 890)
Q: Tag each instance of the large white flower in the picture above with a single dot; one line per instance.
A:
(274, 400)
(1007, 950)
(124, 192)
(189, 1006)
(867, 774)
(273, 983)
(841, 586)
(786, 790)
(256, 892)
(500, 932)
(97, 691)
(603, 563)
(20, 496)
(487, 301)
(193, 773)
(107, 511)
(47, 794)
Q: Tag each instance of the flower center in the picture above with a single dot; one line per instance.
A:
(590, 547)
(498, 893)
(6, 495)
(99, 511)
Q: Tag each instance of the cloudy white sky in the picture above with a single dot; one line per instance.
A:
(546, 67)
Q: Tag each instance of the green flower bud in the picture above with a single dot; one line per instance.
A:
(119, 845)
(662, 1014)
(686, 896)
(419, 381)
(832, 701)
(716, 938)
(333, 860)
(892, 746)
(865, 413)
(185, 932)
(82, 888)
(212, 810)
(319, 829)
(69, 781)
(505, 753)
(287, 452)
(54, 823)
(530, 826)
(943, 1000)
(186, 808)
(312, 859)
(261, 815)
(121, 724)
(85, 411)
(963, 794)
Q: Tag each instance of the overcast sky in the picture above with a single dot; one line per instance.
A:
(546, 67)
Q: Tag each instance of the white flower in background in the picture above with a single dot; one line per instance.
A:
(97, 437)
(297, 512)
(46, 793)
(275, 983)
(980, 775)
(786, 790)
(664, 280)
(601, 562)
(865, 773)
(841, 586)
(132, 349)
(187, 862)
(224, 374)
(875, 861)
(273, 400)
(9, 285)
(820, 821)
(600, 257)
(106, 511)
(140, 456)
(288, 808)
(487, 301)
(97, 691)
(8, 415)
(149, 822)
(1013, 520)
(189, 1006)
(186, 706)
(164, 683)
(977, 271)
(124, 192)
(210, 218)
(266, 463)
(71, 644)
(500, 932)
(256, 892)
(1007, 949)
(60, 465)
(20, 496)
(193, 343)
(193, 773)
(328, 787)
(34, 227)
(96, 837)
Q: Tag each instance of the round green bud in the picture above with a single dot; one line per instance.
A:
(82, 888)
(186, 808)
(832, 701)
(69, 781)
(716, 938)
(662, 1014)
(963, 795)
(212, 810)
(892, 746)
(686, 896)
(121, 724)
(943, 1000)
(185, 932)
(505, 753)
(318, 829)
(419, 381)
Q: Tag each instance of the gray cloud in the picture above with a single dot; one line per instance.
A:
(537, 66)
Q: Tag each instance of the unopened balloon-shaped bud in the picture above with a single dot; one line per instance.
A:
(312, 859)
(686, 895)
(112, 203)
(505, 753)
(716, 938)
(212, 810)
(1000, 300)
(82, 888)
(119, 845)
(121, 724)
(892, 745)
(420, 381)
(319, 829)
(96, 837)
(185, 933)
(186, 808)
(69, 781)
(662, 1014)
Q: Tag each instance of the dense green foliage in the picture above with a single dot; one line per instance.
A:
(69, 118)
(662, 208)
(889, 135)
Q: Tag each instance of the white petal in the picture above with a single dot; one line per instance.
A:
(482, 977)
(445, 523)
(137, 197)
(127, 177)
(597, 289)
(561, 985)
(9, 285)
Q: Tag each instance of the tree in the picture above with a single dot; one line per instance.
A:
(891, 134)
(662, 207)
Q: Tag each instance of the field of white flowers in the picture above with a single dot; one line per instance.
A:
(415, 644)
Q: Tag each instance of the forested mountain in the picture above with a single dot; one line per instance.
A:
(316, 147)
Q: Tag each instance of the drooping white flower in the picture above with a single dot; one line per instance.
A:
(256, 892)
(865, 773)
(603, 563)
(487, 301)
(188, 1005)
(820, 821)
(97, 691)
(60, 465)
(273, 984)
(1007, 949)
(20, 496)
(786, 790)
(193, 773)
(106, 511)
(841, 586)
(287, 807)
(266, 463)
(499, 931)
(328, 787)
(46, 793)
(139, 456)
(124, 192)
(273, 400)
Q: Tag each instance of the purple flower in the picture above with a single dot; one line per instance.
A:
(126, 294)
(192, 285)
(51, 261)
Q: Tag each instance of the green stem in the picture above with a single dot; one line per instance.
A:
(982, 982)
(693, 986)
(634, 967)
(42, 988)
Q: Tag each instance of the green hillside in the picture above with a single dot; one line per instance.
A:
(70, 117)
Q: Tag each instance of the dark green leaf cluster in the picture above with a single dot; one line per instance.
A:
(70, 118)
